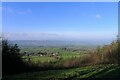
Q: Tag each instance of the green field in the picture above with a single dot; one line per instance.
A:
(69, 63)
(62, 53)
(95, 71)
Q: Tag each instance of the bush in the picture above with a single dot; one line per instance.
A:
(110, 53)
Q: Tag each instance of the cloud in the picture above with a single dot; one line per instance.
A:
(31, 36)
(60, 36)
(28, 11)
(97, 16)
(8, 9)
(16, 11)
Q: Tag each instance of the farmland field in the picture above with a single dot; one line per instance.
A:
(62, 53)
(65, 62)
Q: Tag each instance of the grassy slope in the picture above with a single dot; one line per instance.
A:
(96, 71)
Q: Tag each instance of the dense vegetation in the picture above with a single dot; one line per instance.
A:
(65, 62)
(11, 59)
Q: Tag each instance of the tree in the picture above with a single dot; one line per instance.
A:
(11, 58)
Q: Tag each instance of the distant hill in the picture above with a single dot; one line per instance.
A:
(54, 43)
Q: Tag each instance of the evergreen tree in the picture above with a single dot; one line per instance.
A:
(11, 59)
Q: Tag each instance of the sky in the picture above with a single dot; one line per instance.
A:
(60, 20)
(60, 0)
(0, 20)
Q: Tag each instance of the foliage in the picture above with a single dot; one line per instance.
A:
(110, 53)
(11, 59)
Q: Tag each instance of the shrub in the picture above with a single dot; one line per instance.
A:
(110, 53)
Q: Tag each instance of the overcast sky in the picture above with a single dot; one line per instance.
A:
(61, 21)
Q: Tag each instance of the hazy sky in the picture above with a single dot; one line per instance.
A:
(77, 21)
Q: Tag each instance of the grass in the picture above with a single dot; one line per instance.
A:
(69, 58)
(62, 53)
(35, 59)
(114, 72)
(95, 71)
